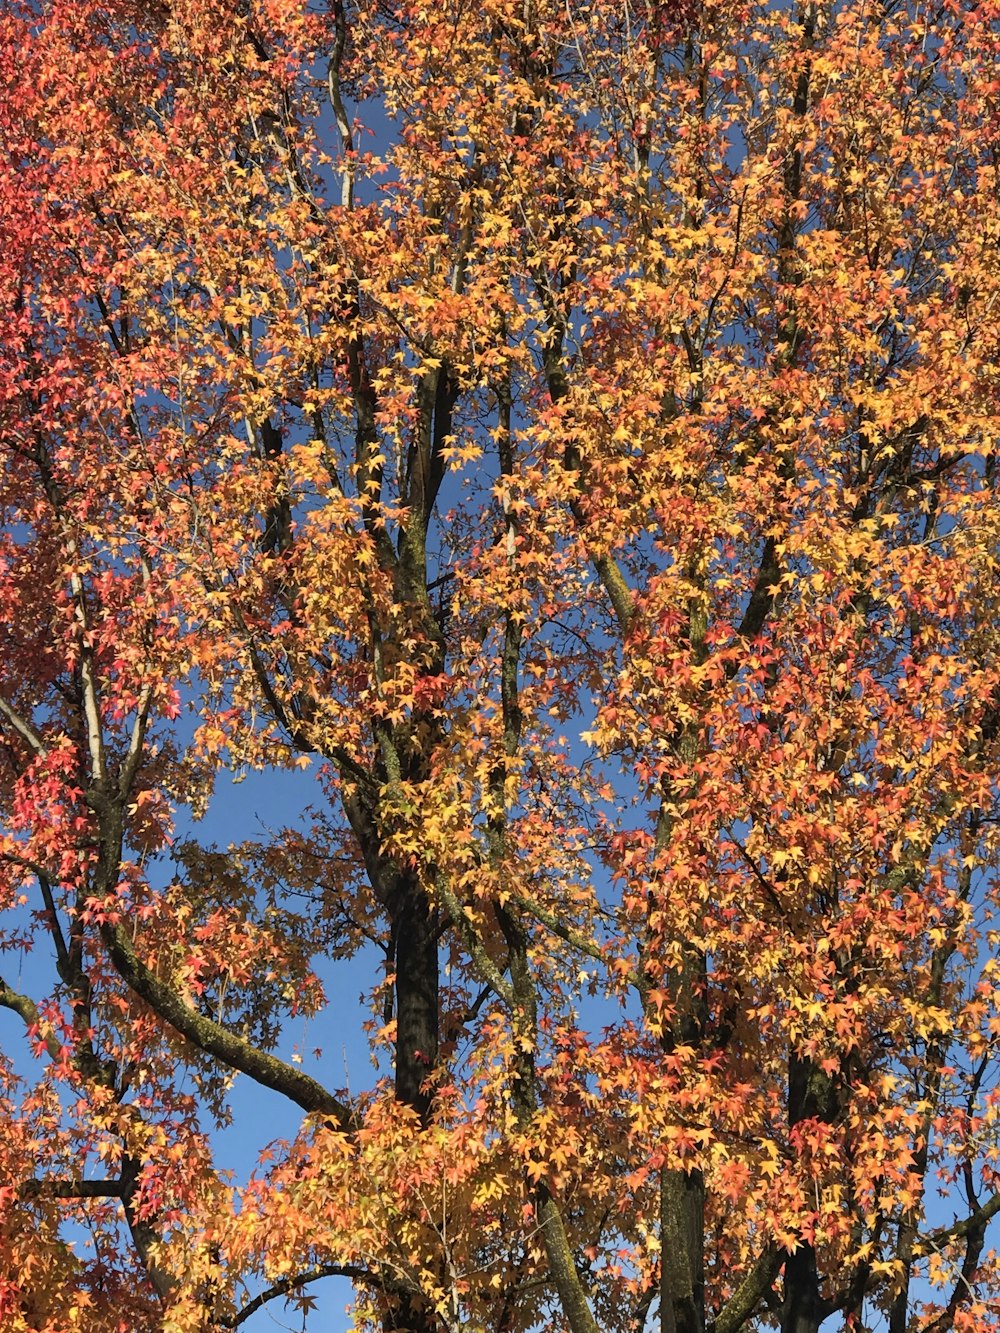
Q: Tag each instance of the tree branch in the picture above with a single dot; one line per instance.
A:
(934, 1240)
(288, 1284)
(749, 1293)
(73, 1189)
(488, 970)
(24, 729)
(27, 1010)
(219, 1041)
(762, 596)
(565, 932)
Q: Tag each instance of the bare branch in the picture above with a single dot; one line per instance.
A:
(290, 1284)
(934, 1240)
(73, 1189)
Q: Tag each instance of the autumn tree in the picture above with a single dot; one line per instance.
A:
(568, 429)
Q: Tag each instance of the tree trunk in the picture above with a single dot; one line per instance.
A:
(416, 998)
(802, 1308)
(811, 1095)
(682, 1252)
(416, 991)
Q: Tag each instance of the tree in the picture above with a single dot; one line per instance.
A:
(568, 429)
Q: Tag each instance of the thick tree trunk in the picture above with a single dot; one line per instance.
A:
(682, 1193)
(811, 1095)
(416, 998)
(682, 1252)
(416, 989)
(414, 934)
(802, 1308)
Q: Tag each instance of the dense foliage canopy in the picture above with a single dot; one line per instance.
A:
(567, 428)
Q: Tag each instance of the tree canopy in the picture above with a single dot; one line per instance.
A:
(568, 428)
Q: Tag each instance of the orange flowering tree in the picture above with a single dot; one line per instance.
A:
(568, 428)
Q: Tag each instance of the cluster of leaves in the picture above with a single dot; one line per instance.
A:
(570, 428)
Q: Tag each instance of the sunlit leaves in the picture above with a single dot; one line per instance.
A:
(567, 435)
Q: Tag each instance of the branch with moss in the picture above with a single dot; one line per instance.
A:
(218, 1041)
(27, 1011)
(748, 1295)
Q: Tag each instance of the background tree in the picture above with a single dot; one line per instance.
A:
(569, 427)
